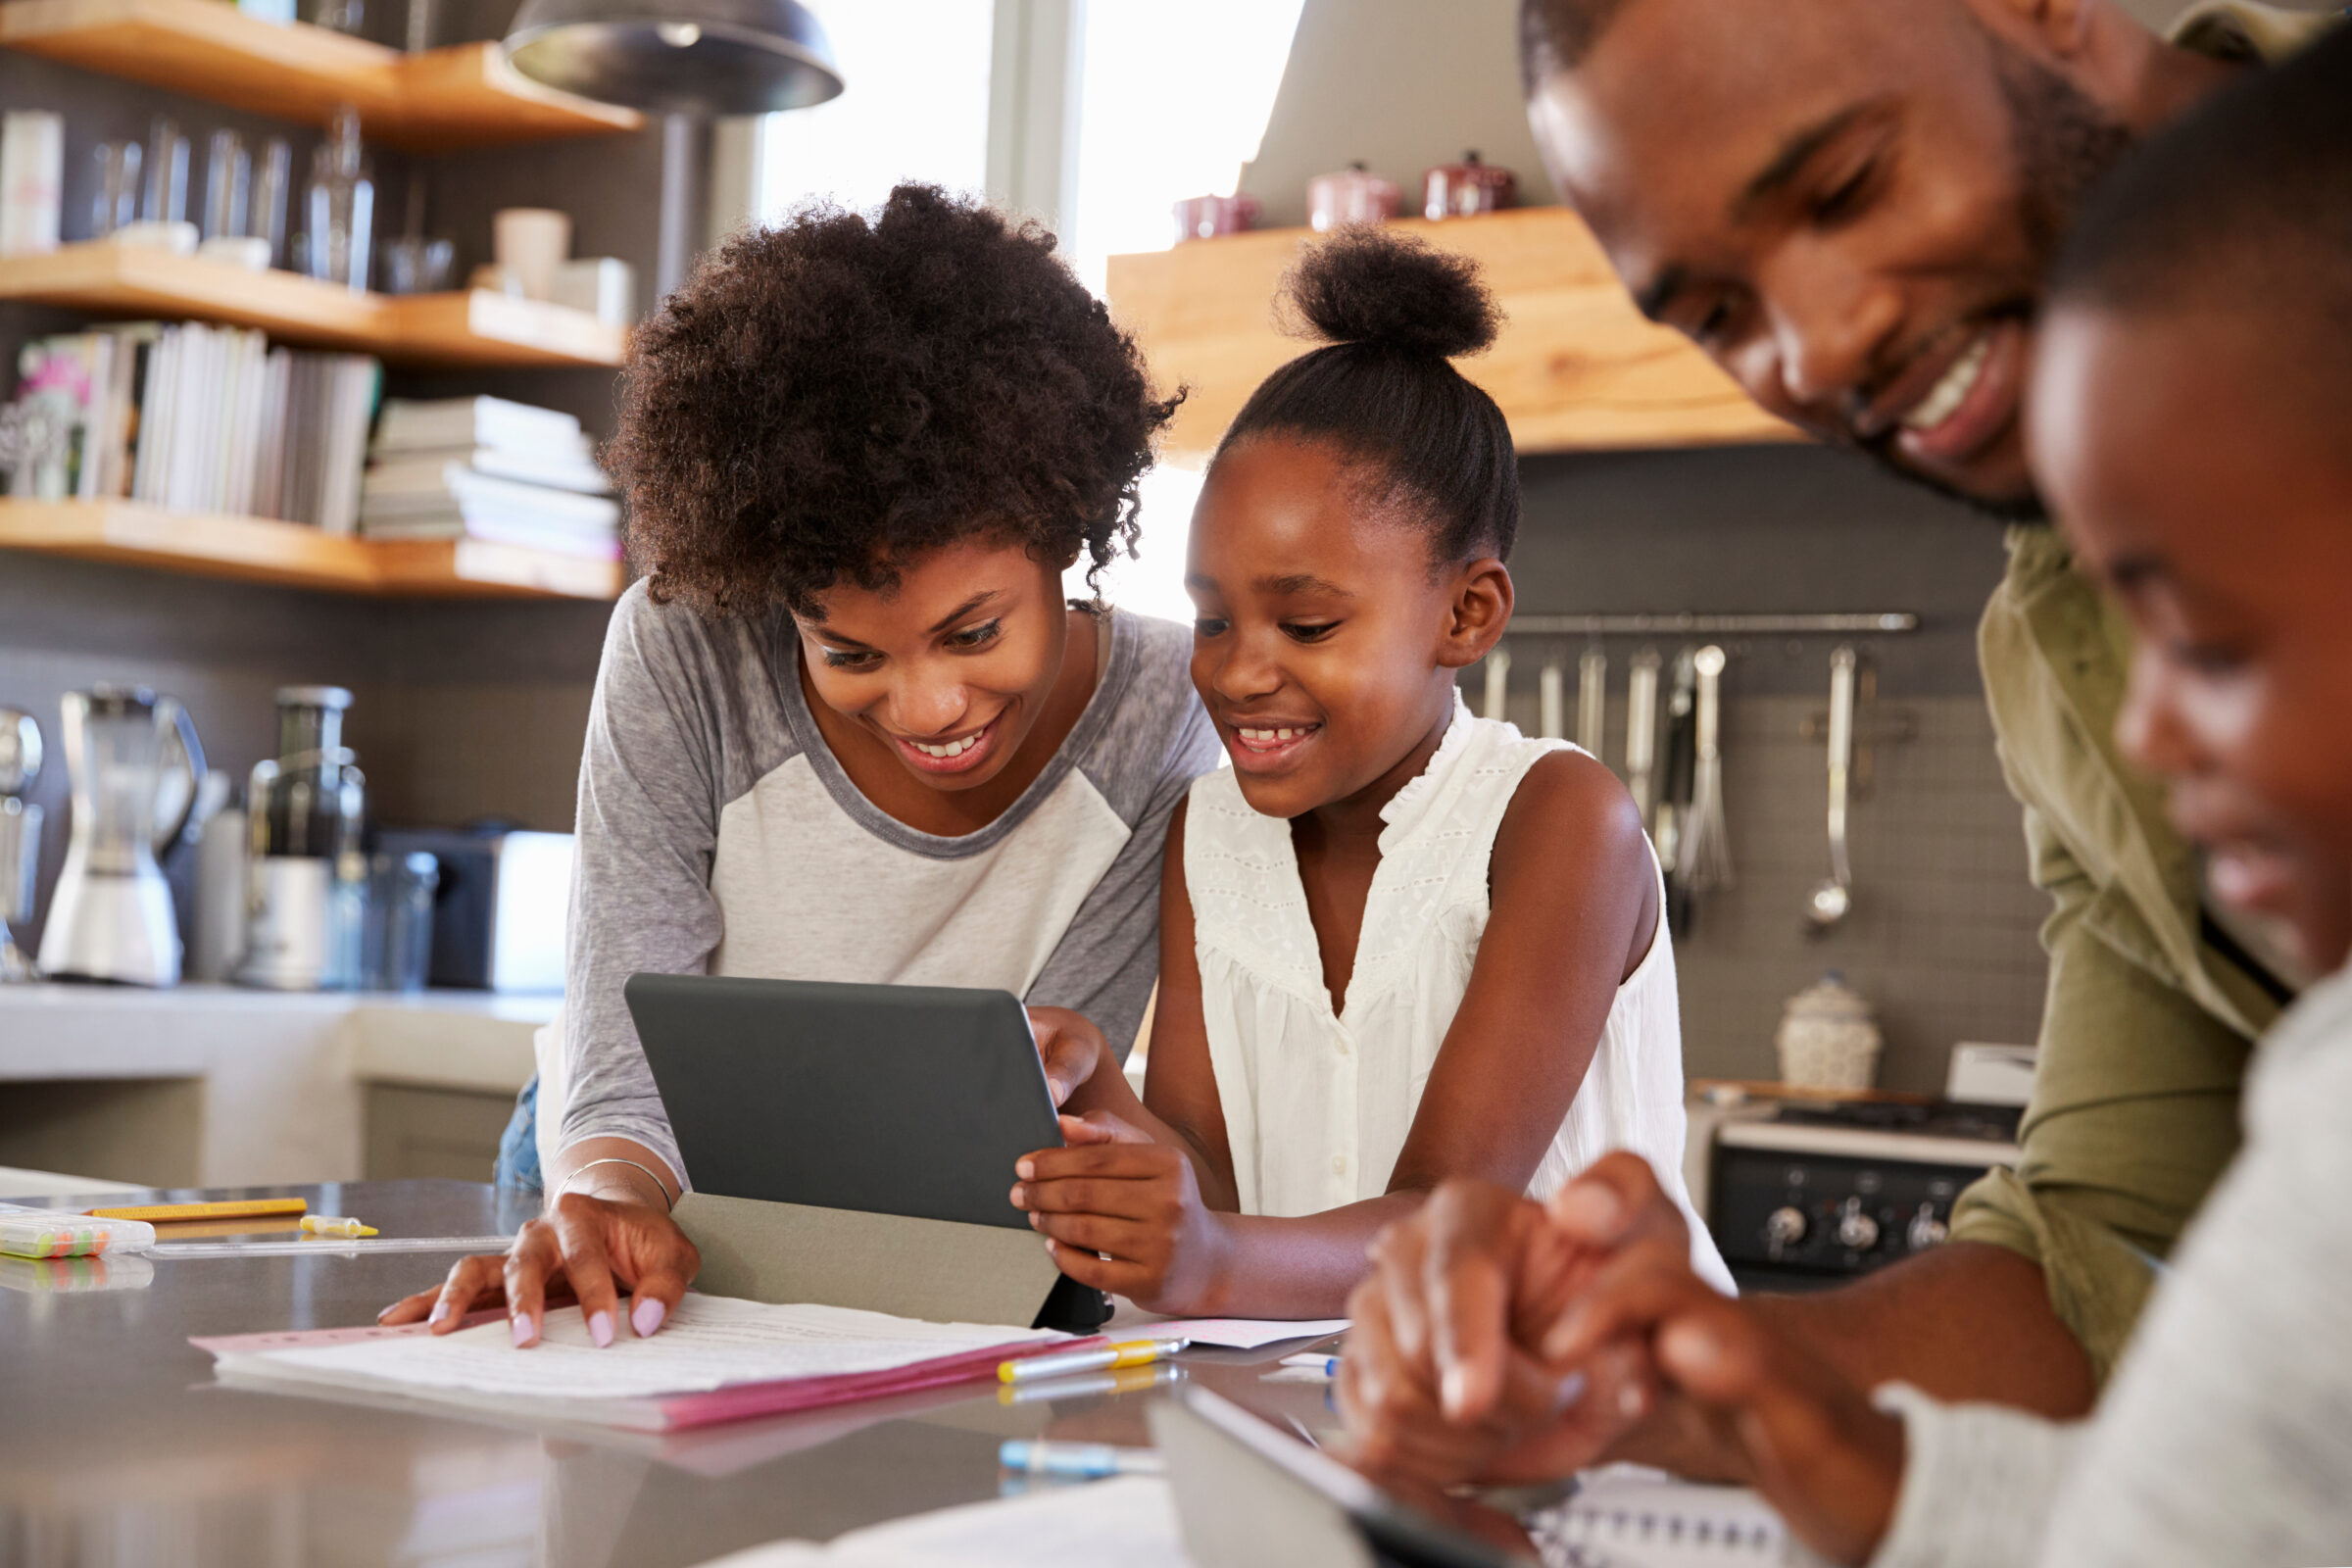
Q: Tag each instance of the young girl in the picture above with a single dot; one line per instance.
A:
(846, 728)
(1398, 944)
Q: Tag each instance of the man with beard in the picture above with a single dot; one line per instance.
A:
(1849, 205)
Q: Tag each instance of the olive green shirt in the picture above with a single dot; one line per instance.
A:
(2147, 1025)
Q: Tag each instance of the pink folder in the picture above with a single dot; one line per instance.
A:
(679, 1412)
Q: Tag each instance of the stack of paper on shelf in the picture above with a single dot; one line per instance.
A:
(486, 468)
(193, 417)
(717, 1359)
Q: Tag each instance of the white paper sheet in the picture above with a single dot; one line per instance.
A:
(1130, 1522)
(1232, 1333)
(711, 1341)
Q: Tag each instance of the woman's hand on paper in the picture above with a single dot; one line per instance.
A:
(1124, 1215)
(1068, 1044)
(586, 1249)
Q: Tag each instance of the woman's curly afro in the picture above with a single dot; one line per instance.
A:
(831, 398)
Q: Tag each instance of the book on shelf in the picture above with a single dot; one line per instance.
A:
(431, 498)
(524, 533)
(404, 472)
(440, 424)
(194, 418)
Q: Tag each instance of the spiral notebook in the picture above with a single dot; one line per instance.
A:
(1630, 1517)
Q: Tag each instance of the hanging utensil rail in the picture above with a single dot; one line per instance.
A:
(1687, 623)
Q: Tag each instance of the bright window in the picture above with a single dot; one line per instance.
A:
(915, 107)
(1172, 101)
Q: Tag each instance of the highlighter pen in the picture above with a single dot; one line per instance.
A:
(1328, 1365)
(1087, 1461)
(333, 1225)
(1126, 1379)
(1135, 1353)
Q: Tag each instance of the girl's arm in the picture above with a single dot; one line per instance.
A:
(1575, 910)
(1180, 1107)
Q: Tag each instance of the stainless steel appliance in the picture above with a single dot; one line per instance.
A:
(307, 879)
(19, 835)
(499, 907)
(136, 766)
(1817, 1193)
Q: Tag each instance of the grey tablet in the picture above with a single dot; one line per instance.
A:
(888, 1100)
(1249, 1496)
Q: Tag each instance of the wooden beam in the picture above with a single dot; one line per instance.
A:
(1577, 367)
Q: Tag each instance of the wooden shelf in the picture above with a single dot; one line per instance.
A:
(1577, 367)
(289, 554)
(462, 330)
(459, 97)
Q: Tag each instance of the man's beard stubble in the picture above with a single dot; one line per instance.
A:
(2064, 144)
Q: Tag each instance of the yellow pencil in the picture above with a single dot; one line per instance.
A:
(238, 1208)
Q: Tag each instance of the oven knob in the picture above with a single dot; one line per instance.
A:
(1925, 1230)
(1857, 1231)
(1784, 1226)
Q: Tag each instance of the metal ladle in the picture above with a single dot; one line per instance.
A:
(1831, 899)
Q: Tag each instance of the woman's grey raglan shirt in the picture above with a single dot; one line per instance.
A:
(717, 834)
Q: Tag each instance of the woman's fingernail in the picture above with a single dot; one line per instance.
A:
(600, 1329)
(525, 1331)
(440, 1311)
(1571, 1390)
(646, 1316)
(1061, 1090)
(1454, 1390)
(1025, 1169)
(1017, 1190)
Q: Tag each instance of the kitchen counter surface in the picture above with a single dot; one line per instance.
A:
(118, 1442)
(277, 1077)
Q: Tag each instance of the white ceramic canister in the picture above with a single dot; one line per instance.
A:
(1828, 1039)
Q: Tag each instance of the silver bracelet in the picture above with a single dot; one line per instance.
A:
(667, 1202)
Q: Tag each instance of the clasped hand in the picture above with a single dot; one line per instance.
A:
(1499, 1339)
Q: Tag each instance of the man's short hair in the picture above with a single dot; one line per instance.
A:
(2244, 209)
(1555, 35)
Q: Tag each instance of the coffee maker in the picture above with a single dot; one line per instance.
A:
(134, 765)
(19, 835)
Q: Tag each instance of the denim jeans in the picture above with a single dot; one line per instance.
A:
(519, 1148)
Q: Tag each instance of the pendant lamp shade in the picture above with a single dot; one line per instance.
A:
(696, 57)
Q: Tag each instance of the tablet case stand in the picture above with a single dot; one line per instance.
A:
(943, 1271)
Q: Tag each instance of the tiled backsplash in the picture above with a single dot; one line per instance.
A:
(1941, 936)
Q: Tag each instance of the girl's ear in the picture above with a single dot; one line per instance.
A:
(1481, 610)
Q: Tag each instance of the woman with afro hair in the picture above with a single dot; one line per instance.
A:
(847, 726)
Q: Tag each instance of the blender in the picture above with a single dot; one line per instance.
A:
(307, 879)
(134, 767)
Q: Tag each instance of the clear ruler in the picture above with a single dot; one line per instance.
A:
(341, 1246)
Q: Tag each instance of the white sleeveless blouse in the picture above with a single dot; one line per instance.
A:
(1317, 1104)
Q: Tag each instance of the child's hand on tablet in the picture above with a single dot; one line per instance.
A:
(1069, 1047)
(1126, 1218)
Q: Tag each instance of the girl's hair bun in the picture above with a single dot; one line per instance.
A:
(1367, 285)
